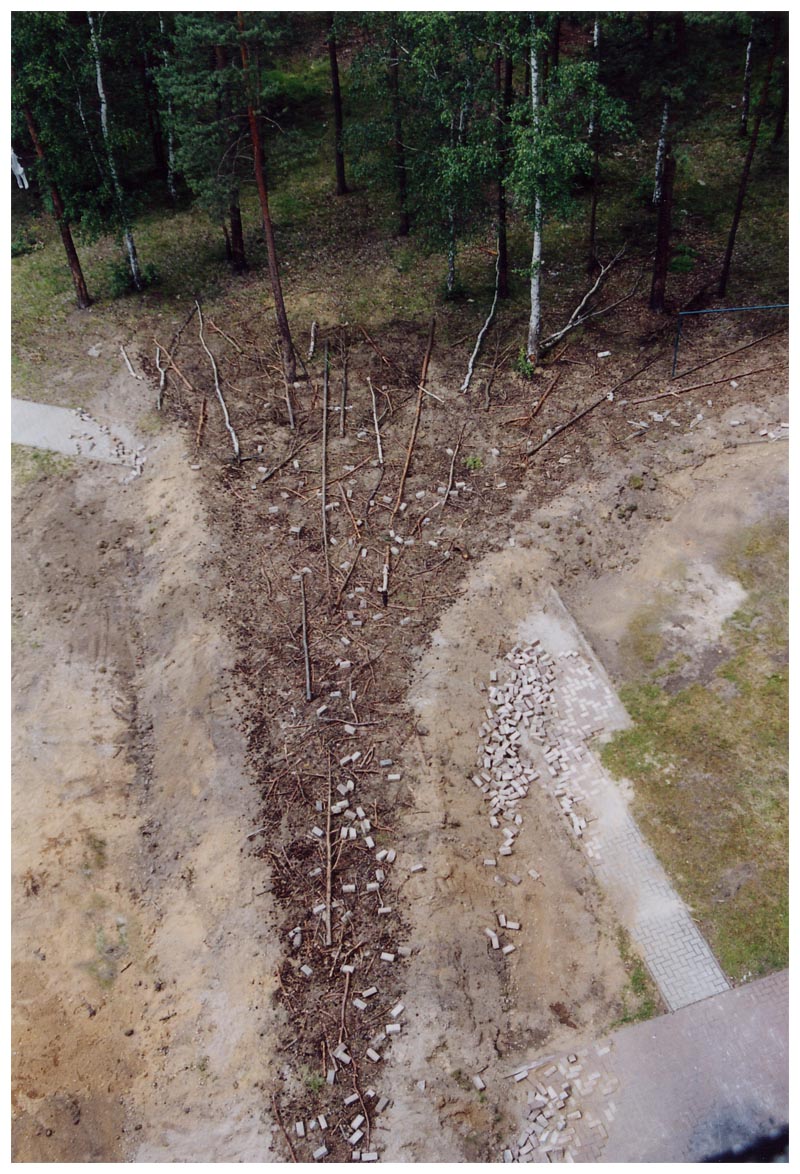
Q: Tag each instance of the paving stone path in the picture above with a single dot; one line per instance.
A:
(686, 1087)
(73, 432)
(584, 707)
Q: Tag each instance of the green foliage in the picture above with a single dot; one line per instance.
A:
(523, 365)
(120, 280)
(683, 259)
(473, 463)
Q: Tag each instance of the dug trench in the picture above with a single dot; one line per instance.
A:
(206, 838)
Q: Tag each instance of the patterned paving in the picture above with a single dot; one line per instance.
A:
(582, 707)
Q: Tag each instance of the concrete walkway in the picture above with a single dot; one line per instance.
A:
(682, 1088)
(73, 432)
(584, 706)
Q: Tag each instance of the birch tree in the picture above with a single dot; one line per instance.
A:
(119, 195)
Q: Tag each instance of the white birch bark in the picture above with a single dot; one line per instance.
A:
(127, 235)
(661, 153)
(170, 137)
(748, 73)
(596, 47)
(535, 321)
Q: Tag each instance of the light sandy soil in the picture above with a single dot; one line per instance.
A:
(142, 965)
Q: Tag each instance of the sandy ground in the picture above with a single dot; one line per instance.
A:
(142, 967)
(146, 933)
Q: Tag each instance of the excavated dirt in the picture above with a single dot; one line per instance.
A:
(161, 1013)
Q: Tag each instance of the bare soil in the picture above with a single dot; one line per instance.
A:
(160, 721)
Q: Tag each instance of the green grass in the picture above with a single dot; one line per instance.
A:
(640, 997)
(34, 464)
(709, 764)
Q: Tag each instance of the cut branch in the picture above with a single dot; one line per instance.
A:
(453, 464)
(328, 867)
(421, 393)
(162, 375)
(306, 654)
(375, 419)
(727, 354)
(313, 342)
(343, 401)
(577, 318)
(218, 389)
(175, 367)
(324, 477)
(486, 324)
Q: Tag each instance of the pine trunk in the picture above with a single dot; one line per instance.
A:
(751, 150)
(173, 194)
(238, 258)
(81, 292)
(399, 150)
(287, 349)
(593, 264)
(127, 234)
(748, 73)
(153, 120)
(659, 285)
(338, 122)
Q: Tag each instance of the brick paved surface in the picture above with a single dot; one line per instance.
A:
(681, 1088)
(584, 705)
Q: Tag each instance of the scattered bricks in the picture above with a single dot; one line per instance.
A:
(355, 1138)
(369, 1157)
(386, 762)
(523, 1075)
(387, 957)
(382, 1104)
(404, 951)
(493, 938)
(306, 970)
(318, 909)
(392, 1028)
(373, 1055)
(360, 1004)
(348, 888)
(509, 949)
(508, 1156)
(323, 1122)
(512, 925)
(347, 968)
(350, 1100)
(330, 1076)
(397, 1011)
(320, 1153)
(385, 910)
(490, 862)
(479, 1084)
(369, 992)
(318, 832)
(299, 1128)
(391, 856)
(501, 920)
(418, 868)
(395, 778)
(357, 1122)
(572, 1059)
(372, 886)
(513, 879)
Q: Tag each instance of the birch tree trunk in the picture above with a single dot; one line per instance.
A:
(659, 284)
(127, 234)
(505, 95)
(287, 348)
(170, 137)
(81, 292)
(748, 74)
(535, 321)
(594, 139)
(661, 153)
(338, 121)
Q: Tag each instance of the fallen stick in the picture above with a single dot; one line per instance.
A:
(540, 404)
(218, 389)
(162, 371)
(607, 396)
(698, 386)
(382, 356)
(227, 337)
(727, 354)
(328, 869)
(324, 486)
(287, 392)
(375, 419)
(385, 584)
(313, 343)
(306, 655)
(453, 465)
(282, 464)
(177, 335)
(283, 1127)
(487, 403)
(575, 318)
(198, 440)
(351, 515)
(345, 581)
(479, 340)
(128, 362)
(343, 401)
(175, 366)
(420, 394)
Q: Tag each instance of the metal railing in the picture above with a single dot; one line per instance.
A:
(724, 310)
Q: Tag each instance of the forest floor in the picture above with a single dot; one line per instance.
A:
(165, 871)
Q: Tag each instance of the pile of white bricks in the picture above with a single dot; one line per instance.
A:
(525, 701)
(551, 1128)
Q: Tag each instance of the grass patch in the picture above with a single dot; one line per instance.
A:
(35, 464)
(709, 765)
(640, 997)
